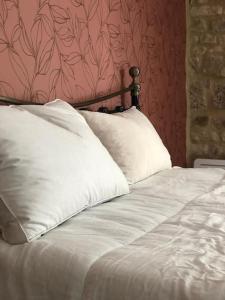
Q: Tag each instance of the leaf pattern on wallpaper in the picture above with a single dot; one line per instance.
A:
(3, 45)
(77, 49)
(36, 35)
(114, 5)
(90, 8)
(6, 89)
(24, 40)
(15, 33)
(53, 80)
(77, 3)
(3, 12)
(67, 68)
(47, 25)
(45, 57)
(60, 15)
(73, 58)
(19, 67)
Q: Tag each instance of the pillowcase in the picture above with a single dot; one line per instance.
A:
(52, 167)
(132, 141)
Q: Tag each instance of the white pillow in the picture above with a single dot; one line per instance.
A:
(52, 167)
(132, 141)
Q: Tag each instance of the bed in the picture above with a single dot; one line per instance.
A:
(164, 240)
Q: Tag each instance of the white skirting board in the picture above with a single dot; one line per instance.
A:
(209, 163)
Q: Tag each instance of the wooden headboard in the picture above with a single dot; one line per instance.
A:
(134, 88)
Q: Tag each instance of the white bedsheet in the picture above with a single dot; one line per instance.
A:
(163, 241)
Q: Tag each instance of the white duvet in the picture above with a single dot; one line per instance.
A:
(163, 241)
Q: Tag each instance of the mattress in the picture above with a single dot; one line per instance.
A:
(163, 241)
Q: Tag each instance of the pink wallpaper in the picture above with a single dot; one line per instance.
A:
(77, 49)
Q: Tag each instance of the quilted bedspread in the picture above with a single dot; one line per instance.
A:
(163, 241)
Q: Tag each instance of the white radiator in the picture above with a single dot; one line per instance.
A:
(209, 163)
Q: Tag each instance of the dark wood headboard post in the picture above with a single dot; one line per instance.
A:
(135, 86)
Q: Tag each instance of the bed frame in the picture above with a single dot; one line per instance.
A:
(134, 88)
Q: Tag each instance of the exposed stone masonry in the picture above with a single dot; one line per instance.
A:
(206, 76)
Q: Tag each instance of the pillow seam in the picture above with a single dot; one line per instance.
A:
(56, 225)
(14, 216)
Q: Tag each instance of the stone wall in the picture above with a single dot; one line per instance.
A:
(206, 79)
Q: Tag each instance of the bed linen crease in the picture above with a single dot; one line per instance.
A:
(163, 241)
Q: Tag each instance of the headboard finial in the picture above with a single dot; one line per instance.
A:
(134, 72)
(135, 86)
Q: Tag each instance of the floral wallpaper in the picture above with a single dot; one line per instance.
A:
(78, 49)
